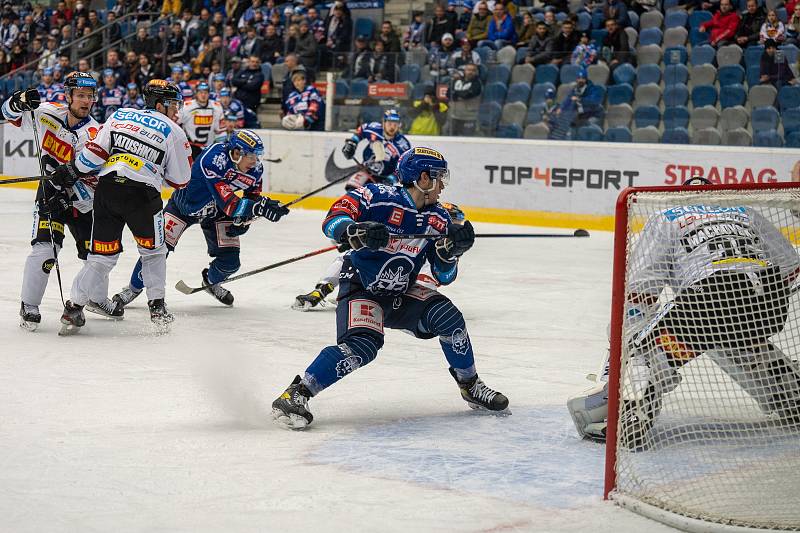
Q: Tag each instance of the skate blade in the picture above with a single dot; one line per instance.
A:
(28, 326)
(100, 312)
(301, 306)
(161, 327)
(291, 421)
(484, 411)
(68, 330)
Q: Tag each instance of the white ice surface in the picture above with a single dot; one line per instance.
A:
(119, 430)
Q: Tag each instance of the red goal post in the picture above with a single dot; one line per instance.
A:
(783, 197)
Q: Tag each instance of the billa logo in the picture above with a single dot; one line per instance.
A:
(144, 242)
(101, 247)
(203, 120)
(56, 147)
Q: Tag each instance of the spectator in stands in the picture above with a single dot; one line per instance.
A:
(793, 26)
(338, 32)
(362, 56)
(143, 43)
(556, 6)
(440, 55)
(91, 44)
(17, 56)
(645, 6)
(750, 24)
(774, 67)
(251, 45)
(565, 43)
(383, 65)
(272, 46)
(131, 63)
(316, 24)
(113, 63)
(290, 39)
(616, 50)
(772, 29)
(216, 52)
(465, 87)
(8, 30)
(722, 26)
(177, 46)
(5, 65)
(36, 51)
(306, 47)
(585, 52)
(248, 83)
(540, 47)
(415, 35)
(231, 38)
(234, 9)
(85, 67)
(40, 18)
(27, 31)
(501, 29)
(478, 28)
(428, 114)
(170, 8)
(292, 64)
(304, 108)
(65, 42)
(64, 64)
(526, 30)
(553, 28)
(120, 8)
(145, 71)
(462, 57)
(617, 10)
(442, 22)
(113, 31)
(389, 38)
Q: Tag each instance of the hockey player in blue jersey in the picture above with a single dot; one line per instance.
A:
(109, 97)
(49, 90)
(385, 144)
(379, 288)
(132, 98)
(209, 199)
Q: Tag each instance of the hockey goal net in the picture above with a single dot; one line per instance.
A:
(704, 386)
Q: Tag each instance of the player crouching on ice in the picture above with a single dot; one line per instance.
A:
(378, 284)
(732, 277)
(210, 200)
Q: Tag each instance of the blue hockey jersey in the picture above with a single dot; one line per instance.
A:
(394, 148)
(214, 182)
(392, 270)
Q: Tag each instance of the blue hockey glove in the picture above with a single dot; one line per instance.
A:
(458, 240)
(372, 235)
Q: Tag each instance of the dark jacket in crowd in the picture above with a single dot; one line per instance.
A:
(248, 87)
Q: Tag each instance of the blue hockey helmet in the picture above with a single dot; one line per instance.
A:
(247, 141)
(224, 92)
(418, 160)
(391, 115)
(202, 86)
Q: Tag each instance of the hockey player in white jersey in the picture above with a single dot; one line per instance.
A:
(201, 119)
(62, 130)
(134, 153)
(730, 270)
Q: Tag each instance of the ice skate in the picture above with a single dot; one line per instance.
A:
(112, 310)
(304, 302)
(126, 296)
(159, 315)
(72, 319)
(29, 316)
(479, 396)
(290, 409)
(219, 292)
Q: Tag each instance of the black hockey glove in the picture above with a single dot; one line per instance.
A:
(375, 167)
(349, 148)
(238, 227)
(65, 175)
(270, 209)
(54, 204)
(24, 101)
(459, 240)
(372, 235)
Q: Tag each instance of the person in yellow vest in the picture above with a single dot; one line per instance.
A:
(427, 114)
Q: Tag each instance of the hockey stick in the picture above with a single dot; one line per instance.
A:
(185, 289)
(276, 160)
(49, 216)
(23, 180)
(577, 233)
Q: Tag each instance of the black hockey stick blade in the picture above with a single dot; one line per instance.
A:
(181, 286)
(23, 180)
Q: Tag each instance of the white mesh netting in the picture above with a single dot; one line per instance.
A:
(709, 414)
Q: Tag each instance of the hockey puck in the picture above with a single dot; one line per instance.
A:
(581, 233)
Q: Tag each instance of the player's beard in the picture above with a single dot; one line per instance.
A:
(80, 111)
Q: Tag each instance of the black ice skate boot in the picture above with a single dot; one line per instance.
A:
(72, 319)
(219, 292)
(479, 396)
(159, 314)
(304, 302)
(29, 316)
(107, 308)
(126, 296)
(290, 409)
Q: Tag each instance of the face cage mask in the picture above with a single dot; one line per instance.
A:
(437, 175)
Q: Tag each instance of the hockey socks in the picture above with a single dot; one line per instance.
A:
(335, 362)
(443, 318)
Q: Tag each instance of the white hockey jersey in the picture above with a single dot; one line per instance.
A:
(683, 245)
(60, 143)
(141, 145)
(202, 123)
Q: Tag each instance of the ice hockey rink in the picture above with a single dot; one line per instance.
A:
(117, 429)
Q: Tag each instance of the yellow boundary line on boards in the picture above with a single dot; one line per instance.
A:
(477, 214)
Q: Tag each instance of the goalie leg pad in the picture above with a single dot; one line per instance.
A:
(589, 411)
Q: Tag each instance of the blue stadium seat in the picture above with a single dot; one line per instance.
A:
(675, 136)
(619, 134)
(521, 53)
(499, 73)
(584, 21)
(674, 74)
(783, 15)
(597, 19)
(704, 95)
(730, 75)
(770, 138)
(547, 73)
(569, 73)
(753, 76)
(363, 27)
(731, 95)
(371, 113)
(342, 89)
(676, 95)
(676, 19)
(597, 36)
(676, 117)
(791, 120)
(416, 93)
(698, 17)
(489, 116)
(484, 52)
(669, 4)
(409, 72)
(702, 55)
(793, 139)
(650, 36)
(752, 55)
(697, 38)
(495, 92)
(519, 92)
(790, 52)
(624, 73)
(539, 91)
(764, 119)
(648, 74)
(509, 131)
(646, 115)
(535, 113)
(634, 16)
(620, 94)
(789, 96)
(359, 88)
(590, 133)
(675, 55)
(561, 17)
